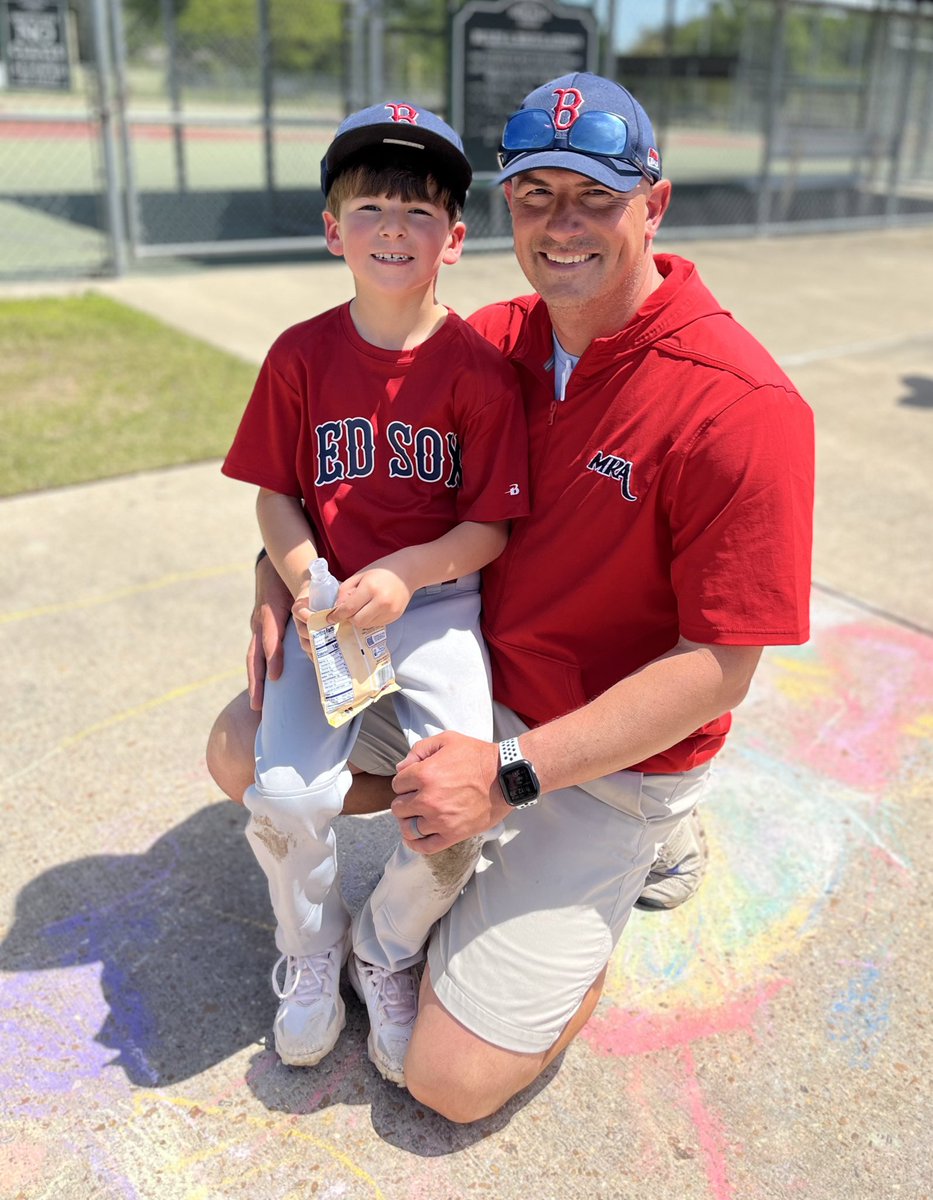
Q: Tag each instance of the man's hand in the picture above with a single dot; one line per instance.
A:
(271, 609)
(374, 596)
(449, 783)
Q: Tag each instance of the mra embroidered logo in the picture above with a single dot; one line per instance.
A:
(614, 467)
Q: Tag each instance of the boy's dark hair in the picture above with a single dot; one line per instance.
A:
(386, 173)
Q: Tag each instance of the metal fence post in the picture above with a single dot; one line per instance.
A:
(609, 50)
(131, 193)
(357, 93)
(115, 224)
(268, 97)
(174, 91)
(900, 117)
(771, 114)
(376, 52)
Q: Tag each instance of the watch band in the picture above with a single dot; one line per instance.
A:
(517, 779)
(509, 752)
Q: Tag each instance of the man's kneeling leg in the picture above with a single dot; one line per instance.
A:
(464, 1078)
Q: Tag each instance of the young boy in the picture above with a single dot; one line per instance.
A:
(387, 437)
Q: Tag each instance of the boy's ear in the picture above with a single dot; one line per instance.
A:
(454, 243)
(332, 234)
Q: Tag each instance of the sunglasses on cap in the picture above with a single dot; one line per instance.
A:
(598, 134)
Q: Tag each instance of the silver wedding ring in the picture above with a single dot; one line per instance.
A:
(413, 830)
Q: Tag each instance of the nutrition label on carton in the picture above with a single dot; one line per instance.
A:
(353, 666)
(336, 679)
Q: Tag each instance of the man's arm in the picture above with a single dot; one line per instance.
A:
(272, 606)
(450, 781)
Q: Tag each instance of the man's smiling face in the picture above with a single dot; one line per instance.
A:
(580, 243)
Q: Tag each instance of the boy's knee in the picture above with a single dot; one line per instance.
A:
(284, 794)
(452, 867)
(224, 768)
(229, 752)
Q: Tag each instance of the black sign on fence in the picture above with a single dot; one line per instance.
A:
(503, 49)
(35, 44)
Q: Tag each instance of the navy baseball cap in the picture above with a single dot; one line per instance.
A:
(400, 124)
(584, 123)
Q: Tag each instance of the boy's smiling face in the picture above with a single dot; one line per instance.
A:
(393, 245)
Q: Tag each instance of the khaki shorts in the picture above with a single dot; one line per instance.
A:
(552, 892)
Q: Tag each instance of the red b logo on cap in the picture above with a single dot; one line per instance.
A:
(567, 108)
(403, 113)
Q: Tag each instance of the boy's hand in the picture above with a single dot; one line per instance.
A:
(374, 596)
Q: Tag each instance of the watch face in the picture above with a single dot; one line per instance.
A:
(519, 784)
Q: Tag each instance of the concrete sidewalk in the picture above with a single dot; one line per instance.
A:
(767, 1041)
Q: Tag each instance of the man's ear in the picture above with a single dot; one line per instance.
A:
(507, 192)
(658, 200)
(454, 244)
(332, 234)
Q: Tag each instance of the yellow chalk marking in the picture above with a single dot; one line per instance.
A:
(800, 680)
(272, 1125)
(921, 726)
(48, 610)
(147, 706)
(719, 964)
(119, 718)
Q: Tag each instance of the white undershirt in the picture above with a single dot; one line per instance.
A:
(564, 364)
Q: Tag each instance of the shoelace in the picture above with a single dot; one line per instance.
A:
(398, 994)
(308, 977)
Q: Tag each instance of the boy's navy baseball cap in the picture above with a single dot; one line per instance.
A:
(411, 129)
(584, 123)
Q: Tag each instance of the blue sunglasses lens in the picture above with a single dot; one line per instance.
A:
(592, 133)
(599, 133)
(530, 129)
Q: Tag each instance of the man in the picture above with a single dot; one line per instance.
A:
(669, 541)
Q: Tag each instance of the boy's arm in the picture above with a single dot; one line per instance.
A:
(380, 592)
(286, 538)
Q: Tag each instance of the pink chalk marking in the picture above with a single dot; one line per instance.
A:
(905, 874)
(621, 1033)
(710, 1133)
(856, 731)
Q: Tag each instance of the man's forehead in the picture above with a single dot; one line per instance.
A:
(552, 176)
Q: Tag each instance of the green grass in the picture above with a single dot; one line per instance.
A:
(90, 389)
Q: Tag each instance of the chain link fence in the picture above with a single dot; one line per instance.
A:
(195, 129)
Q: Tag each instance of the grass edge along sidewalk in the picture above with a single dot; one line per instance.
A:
(91, 389)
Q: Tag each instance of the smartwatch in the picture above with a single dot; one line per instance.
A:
(517, 777)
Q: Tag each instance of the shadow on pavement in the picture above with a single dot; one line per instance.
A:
(184, 936)
(183, 933)
(919, 391)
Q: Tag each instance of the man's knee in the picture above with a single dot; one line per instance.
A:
(455, 1072)
(464, 1078)
(465, 1089)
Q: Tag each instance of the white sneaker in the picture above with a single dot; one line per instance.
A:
(312, 1011)
(391, 999)
(678, 868)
